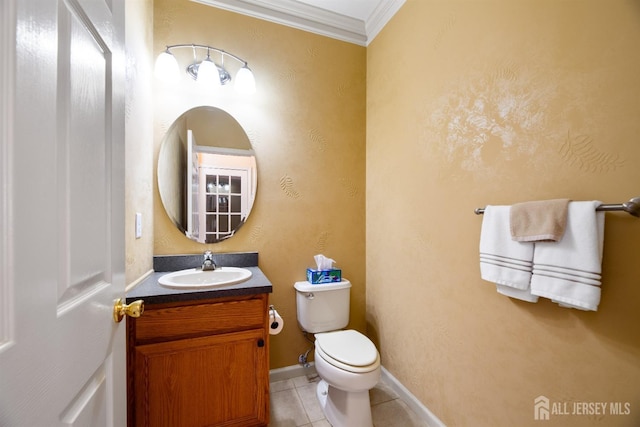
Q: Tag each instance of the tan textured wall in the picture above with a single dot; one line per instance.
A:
(139, 139)
(307, 127)
(494, 102)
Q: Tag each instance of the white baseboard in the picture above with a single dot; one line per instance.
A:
(405, 395)
(292, 371)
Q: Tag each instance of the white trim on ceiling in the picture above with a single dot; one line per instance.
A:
(382, 14)
(313, 19)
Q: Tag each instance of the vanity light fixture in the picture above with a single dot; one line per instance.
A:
(205, 71)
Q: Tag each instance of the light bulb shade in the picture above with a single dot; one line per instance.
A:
(166, 67)
(208, 73)
(245, 82)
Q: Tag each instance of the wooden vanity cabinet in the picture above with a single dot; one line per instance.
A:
(199, 363)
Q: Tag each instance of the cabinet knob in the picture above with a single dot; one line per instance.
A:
(260, 342)
(120, 309)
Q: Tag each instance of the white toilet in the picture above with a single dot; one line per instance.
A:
(347, 361)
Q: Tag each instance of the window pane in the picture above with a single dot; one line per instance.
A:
(223, 223)
(223, 203)
(211, 223)
(236, 203)
(223, 184)
(211, 183)
(211, 204)
(236, 184)
(236, 220)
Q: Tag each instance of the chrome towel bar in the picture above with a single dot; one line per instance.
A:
(631, 207)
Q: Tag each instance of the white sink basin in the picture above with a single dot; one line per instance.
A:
(196, 278)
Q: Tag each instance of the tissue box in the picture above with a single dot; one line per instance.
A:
(316, 277)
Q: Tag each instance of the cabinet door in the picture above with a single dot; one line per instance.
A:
(220, 380)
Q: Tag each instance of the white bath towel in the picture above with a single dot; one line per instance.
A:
(549, 269)
(503, 261)
(571, 277)
(521, 294)
(504, 275)
(515, 266)
(568, 271)
(566, 293)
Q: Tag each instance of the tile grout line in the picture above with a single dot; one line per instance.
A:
(392, 391)
(306, 412)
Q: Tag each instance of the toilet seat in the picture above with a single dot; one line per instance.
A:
(348, 350)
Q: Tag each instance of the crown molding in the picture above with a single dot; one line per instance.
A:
(381, 15)
(313, 19)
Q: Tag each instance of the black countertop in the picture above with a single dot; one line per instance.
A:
(152, 292)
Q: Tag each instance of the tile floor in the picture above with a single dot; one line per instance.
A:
(294, 404)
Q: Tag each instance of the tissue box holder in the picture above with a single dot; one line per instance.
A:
(316, 277)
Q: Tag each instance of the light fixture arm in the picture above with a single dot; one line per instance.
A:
(209, 48)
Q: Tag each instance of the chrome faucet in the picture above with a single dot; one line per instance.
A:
(208, 264)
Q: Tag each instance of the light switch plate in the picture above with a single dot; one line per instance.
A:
(138, 225)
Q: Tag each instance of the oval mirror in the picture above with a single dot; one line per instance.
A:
(207, 174)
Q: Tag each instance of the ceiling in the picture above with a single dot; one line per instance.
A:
(353, 21)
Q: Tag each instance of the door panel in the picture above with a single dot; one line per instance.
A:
(61, 213)
(82, 157)
(87, 409)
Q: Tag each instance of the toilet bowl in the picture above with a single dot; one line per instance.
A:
(347, 362)
(349, 366)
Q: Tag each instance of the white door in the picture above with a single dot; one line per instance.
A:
(62, 357)
(223, 202)
(193, 229)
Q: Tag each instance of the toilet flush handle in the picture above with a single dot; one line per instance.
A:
(310, 295)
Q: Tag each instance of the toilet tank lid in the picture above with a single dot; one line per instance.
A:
(308, 287)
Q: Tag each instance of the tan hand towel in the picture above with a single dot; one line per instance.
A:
(537, 221)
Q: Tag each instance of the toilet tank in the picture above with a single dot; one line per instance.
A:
(323, 307)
